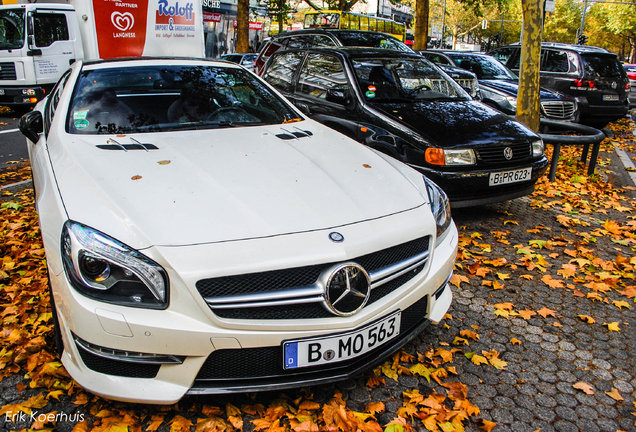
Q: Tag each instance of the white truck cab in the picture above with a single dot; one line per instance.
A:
(39, 41)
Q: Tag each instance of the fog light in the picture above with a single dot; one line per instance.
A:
(28, 92)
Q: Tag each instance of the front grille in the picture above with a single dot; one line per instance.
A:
(495, 154)
(558, 110)
(117, 368)
(243, 366)
(7, 71)
(309, 310)
(279, 280)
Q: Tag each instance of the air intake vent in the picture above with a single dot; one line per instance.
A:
(7, 71)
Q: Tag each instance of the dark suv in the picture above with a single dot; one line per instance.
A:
(298, 39)
(593, 75)
(403, 105)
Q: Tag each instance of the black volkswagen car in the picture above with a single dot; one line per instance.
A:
(403, 105)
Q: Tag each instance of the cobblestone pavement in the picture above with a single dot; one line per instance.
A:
(536, 388)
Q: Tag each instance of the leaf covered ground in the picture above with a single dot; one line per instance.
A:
(582, 248)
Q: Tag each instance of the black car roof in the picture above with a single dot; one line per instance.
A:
(583, 49)
(357, 52)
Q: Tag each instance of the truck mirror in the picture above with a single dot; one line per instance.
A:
(31, 125)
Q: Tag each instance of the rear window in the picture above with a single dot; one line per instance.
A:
(602, 66)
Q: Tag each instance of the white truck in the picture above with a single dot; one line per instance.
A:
(39, 41)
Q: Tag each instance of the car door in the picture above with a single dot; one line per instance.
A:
(324, 90)
(559, 69)
(54, 38)
(281, 70)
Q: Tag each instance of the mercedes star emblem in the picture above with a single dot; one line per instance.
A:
(508, 153)
(336, 237)
(347, 289)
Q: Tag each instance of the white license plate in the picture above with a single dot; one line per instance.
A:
(610, 97)
(513, 176)
(335, 348)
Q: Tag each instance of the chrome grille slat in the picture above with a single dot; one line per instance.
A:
(312, 294)
(558, 109)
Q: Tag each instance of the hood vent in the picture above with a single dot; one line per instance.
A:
(111, 144)
(295, 134)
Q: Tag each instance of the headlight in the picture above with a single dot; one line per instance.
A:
(439, 156)
(100, 267)
(440, 207)
(512, 101)
(538, 148)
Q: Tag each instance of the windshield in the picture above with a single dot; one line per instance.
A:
(374, 40)
(404, 79)
(602, 66)
(11, 28)
(485, 67)
(168, 98)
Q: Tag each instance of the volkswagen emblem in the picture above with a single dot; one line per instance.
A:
(336, 237)
(347, 290)
(508, 153)
(614, 85)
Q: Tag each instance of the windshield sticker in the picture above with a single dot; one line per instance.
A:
(370, 94)
(371, 88)
(80, 115)
(81, 124)
(229, 80)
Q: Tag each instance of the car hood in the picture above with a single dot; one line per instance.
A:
(456, 124)
(226, 184)
(511, 88)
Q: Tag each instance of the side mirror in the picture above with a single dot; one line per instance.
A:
(339, 96)
(31, 125)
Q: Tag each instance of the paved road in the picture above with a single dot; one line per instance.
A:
(12, 142)
(536, 388)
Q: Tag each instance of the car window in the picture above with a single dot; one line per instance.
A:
(11, 28)
(248, 59)
(375, 40)
(48, 28)
(323, 41)
(485, 67)
(299, 42)
(166, 98)
(54, 99)
(503, 54)
(439, 59)
(281, 69)
(321, 73)
(601, 66)
(555, 61)
(404, 79)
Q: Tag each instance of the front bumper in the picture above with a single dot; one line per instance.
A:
(21, 96)
(226, 355)
(470, 188)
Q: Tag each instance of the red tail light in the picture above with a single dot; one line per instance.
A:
(584, 83)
